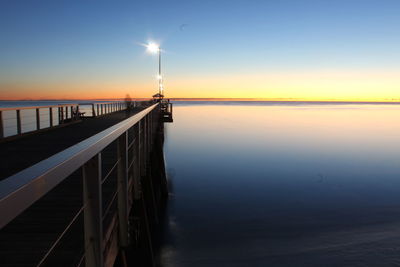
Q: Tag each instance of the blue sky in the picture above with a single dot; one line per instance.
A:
(97, 41)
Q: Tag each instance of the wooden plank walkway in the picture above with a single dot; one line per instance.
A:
(25, 241)
(22, 153)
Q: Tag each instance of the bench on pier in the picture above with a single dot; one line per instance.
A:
(77, 114)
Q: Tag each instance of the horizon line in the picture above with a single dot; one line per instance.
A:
(393, 100)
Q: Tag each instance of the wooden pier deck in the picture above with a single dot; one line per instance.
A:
(54, 231)
(23, 152)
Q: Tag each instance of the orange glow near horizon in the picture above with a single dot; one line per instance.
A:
(311, 86)
(304, 127)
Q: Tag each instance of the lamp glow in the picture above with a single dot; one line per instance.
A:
(153, 48)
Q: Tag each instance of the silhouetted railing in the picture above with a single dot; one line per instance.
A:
(103, 221)
(20, 120)
(16, 121)
(166, 110)
(103, 108)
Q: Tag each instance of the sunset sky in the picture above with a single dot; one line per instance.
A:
(298, 49)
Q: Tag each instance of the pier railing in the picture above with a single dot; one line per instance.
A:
(19, 120)
(105, 223)
(166, 109)
(103, 108)
(99, 109)
(16, 121)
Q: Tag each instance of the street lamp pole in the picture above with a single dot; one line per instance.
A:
(159, 72)
(155, 48)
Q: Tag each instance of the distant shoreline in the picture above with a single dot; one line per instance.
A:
(219, 100)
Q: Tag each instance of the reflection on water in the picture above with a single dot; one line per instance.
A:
(283, 185)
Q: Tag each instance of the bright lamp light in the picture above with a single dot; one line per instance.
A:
(153, 47)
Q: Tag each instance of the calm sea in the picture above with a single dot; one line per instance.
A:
(283, 184)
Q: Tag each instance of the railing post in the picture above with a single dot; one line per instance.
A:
(37, 119)
(19, 130)
(146, 119)
(61, 115)
(151, 128)
(93, 111)
(148, 133)
(97, 106)
(123, 189)
(93, 224)
(66, 112)
(51, 117)
(1, 125)
(137, 163)
(142, 147)
(145, 152)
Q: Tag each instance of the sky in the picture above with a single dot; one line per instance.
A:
(270, 49)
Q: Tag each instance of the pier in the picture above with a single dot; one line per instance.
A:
(88, 190)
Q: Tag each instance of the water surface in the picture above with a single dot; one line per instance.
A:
(283, 184)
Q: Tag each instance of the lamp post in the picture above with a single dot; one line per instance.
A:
(155, 48)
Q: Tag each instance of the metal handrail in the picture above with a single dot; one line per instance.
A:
(37, 120)
(40, 107)
(66, 112)
(109, 102)
(21, 190)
